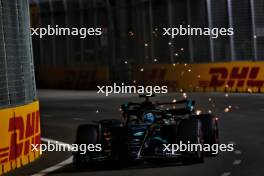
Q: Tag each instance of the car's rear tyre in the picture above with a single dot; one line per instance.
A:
(86, 134)
(210, 131)
(190, 131)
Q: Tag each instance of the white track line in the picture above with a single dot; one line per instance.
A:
(57, 166)
(238, 152)
(226, 174)
(237, 162)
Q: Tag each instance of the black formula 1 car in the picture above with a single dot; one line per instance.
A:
(147, 133)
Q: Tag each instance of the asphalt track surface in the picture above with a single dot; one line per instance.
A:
(243, 125)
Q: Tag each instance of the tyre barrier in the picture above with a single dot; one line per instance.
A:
(206, 77)
(19, 128)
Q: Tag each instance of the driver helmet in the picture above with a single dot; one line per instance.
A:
(149, 118)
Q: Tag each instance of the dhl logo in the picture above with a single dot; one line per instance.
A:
(236, 77)
(241, 76)
(22, 135)
(156, 77)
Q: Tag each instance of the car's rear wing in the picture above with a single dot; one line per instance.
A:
(189, 104)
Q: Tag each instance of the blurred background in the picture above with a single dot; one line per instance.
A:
(132, 33)
(132, 36)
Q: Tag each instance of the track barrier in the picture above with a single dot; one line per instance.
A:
(19, 128)
(206, 77)
(75, 77)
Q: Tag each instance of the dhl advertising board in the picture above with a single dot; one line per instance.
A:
(72, 77)
(218, 77)
(19, 128)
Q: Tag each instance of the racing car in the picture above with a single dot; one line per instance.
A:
(144, 131)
